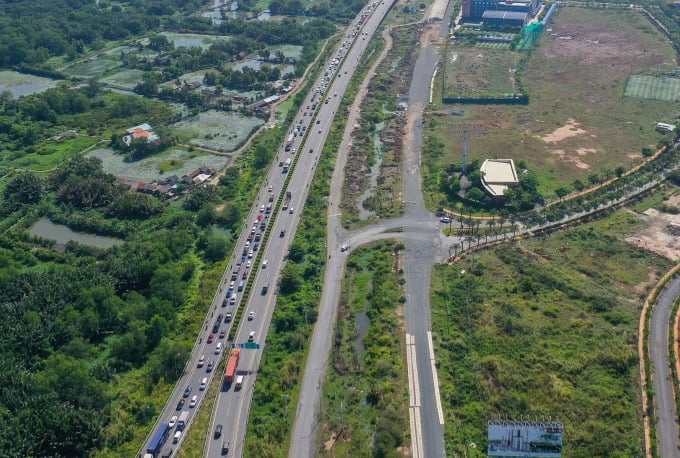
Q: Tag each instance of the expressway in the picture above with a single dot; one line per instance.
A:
(232, 405)
(262, 225)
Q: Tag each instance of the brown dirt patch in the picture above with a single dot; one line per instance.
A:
(661, 231)
(570, 129)
(592, 45)
(566, 157)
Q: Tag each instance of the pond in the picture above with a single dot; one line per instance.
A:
(217, 130)
(46, 229)
(191, 40)
(19, 84)
(148, 169)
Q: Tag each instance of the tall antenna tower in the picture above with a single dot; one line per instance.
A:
(464, 132)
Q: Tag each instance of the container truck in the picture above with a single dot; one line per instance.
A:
(286, 165)
(232, 364)
(158, 439)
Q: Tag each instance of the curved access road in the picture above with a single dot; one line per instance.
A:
(424, 245)
(664, 399)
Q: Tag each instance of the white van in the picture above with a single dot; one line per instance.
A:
(239, 382)
(204, 383)
(176, 437)
(218, 349)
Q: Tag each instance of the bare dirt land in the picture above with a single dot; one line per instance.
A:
(661, 231)
(578, 122)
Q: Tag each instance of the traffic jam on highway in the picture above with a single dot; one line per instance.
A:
(212, 341)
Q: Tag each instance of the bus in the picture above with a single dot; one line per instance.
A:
(289, 142)
(286, 165)
(158, 440)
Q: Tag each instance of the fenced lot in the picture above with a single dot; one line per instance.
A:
(578, 121)
(487, 68)
(653, 87)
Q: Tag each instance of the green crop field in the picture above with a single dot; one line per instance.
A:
(653, 87)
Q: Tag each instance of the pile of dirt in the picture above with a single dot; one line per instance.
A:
(660, 234)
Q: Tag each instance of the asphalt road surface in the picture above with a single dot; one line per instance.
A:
(421, 233)
(232, 406)
(664, 401)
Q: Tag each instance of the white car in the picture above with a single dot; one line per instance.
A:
(249, 263)
(251, 316)
(201, 360)
(172, 421)
(290, 211)
(264, 264)
(193, 402)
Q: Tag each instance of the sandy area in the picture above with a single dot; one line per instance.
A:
(570, 129)
(660, 234)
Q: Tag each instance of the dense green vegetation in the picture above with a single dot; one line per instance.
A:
(101, 335)
(26, 124)
(544, 328)
(364, 411)
(94, 339)
(33, 31)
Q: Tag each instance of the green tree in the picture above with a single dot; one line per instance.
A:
(561, 192)
(228, 216)
(24, 188)
(263, 155)
(215, 248)
(290, 279)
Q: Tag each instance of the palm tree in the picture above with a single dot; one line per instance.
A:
(469, 239)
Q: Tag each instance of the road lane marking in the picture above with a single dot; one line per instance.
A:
(416, 433)
(435, 379)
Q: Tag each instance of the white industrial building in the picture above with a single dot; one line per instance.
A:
(498, 175)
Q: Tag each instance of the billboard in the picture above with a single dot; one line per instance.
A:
(525, 439)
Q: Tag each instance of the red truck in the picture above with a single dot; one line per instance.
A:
(232, 364)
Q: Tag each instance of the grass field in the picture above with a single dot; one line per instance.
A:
(546, 328)
(653, 87)
(51, 154)
(484, 69)
(577, 122)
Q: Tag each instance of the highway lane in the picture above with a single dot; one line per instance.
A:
(192, 374)
(664, 400)
(232, 407)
